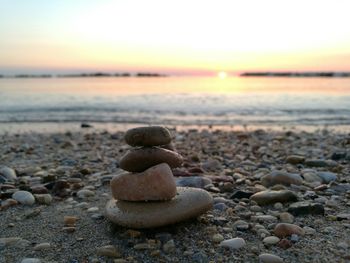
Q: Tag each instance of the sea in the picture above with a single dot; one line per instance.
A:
(56, 104)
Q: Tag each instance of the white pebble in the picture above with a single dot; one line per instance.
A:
(24, 197)
(31, 260)
(271, 240)
(269, 258)
(233, 243)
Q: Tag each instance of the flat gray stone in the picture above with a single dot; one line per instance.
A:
(270, 197)
(188, 203)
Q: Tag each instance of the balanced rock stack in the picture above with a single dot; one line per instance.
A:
(146, 196)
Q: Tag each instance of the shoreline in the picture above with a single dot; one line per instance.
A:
(62, 127)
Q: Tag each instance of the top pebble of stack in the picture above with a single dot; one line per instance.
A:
(148, 136)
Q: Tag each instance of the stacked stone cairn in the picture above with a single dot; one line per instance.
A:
(146, 195)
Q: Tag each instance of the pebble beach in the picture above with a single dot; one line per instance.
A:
(278, 196)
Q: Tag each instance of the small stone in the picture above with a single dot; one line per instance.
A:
(285, 229)
(270, 196)
(31, 260)
(241, 194)
(42, 246)
(70, 220)
(193, 181)
(142, 246)
(285, 244)
(294, 238)
(327, 177)
(24, 197)
(156, 183)
(108, 251)
(295, 159)
(309, 230)
(271, 240)
(92, 209)
(234, 243)
(286, 217)
(44, 199)
(8, 173)
(140, 159)
(148, 136)
(85, 194)
(343, 216)
(305, 208)
(343, 245)
(8, 202)
(269, 258)
(319, 163)
(280, 177)
(217, 238)
(169, 246)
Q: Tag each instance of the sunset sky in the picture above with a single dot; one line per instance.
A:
(180, 36)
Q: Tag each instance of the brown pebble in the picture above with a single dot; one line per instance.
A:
(70, 221)
(285, 229)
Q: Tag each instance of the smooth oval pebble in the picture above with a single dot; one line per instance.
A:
(280, 177)
(138, 160)
(271, 240)
(285, 229)
(148, 136)
(233, 243)
(24, 197)
(31, 260)
(188, 203)
(85, 193)
(156, 183)
(270, 196)
(42, 246)
(8, 173)
(269, 258)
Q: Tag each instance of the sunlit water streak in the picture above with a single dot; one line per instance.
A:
(178, 101)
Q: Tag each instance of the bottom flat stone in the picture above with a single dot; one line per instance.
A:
(188, 203)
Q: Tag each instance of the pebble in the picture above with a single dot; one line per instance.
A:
(42, 246)
(241, 194)
(85, 194)
(271, 240)
(319, 163)
(234, 243)
(169, 246)
(286, 217)
(138, 160)
(280, 177)
(306, 208)
(188, 203)
(70, 221)
(24, 197)
(217, 238)
(31, 260)
(44, 199)
(269, 258)
(8, 173)
(148, 136)
(108, 251)
(295, 159)
(156, 183)
(327, 177)
(270, 196)
(285, 229)
(309, 230)
(193, 181)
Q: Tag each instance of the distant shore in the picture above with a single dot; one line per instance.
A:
(323, 74)
(87, 75)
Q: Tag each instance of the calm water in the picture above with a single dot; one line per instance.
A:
(232, 101)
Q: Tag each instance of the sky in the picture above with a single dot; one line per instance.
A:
(179, 37)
